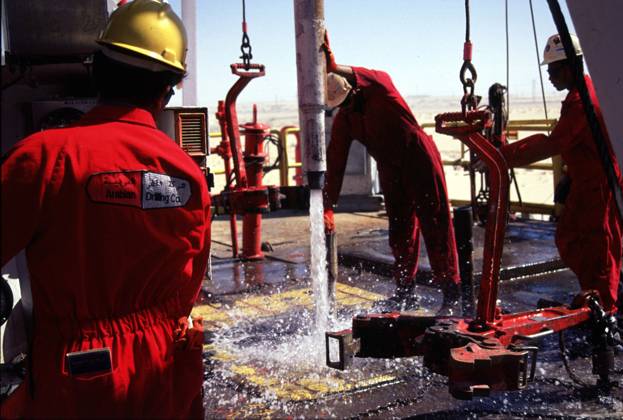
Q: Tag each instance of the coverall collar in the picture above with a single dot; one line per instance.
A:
(118, 113)
(574, 93)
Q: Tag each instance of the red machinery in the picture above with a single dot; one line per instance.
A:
(490, 351)
(248, 196)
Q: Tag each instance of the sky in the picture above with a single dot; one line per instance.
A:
(418, 42)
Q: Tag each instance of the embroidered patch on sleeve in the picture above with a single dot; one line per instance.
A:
(142, 189)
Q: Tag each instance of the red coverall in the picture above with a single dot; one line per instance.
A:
(115, 220)
(410, 170)
(588, 235)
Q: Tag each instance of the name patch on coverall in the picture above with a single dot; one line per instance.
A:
(161, 190)
(142, 189)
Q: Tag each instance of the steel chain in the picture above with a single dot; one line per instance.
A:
(245, 47)
(469, 101)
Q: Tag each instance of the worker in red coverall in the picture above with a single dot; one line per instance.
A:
(588, 235)
(373, 112)
(115, 221)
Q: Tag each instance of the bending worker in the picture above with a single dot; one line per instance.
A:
(588, 235)
(373, 112)
(115, 221)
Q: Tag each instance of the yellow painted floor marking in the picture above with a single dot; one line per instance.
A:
(251, 410)
(221, 356)
(213, 314)
(264, 306)
(376, 380)
(298, 385)
(344, 290)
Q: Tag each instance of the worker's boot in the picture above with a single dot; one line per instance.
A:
(403, 300)
(451, 304)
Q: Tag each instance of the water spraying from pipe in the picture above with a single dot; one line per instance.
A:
(319, 262)
(310, 63)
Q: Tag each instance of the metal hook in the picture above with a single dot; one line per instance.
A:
(468, 66)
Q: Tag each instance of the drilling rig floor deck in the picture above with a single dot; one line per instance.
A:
(263, 358)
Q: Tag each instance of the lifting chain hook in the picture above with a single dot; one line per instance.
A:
(245, 47)
(469, 100)
(468, 82)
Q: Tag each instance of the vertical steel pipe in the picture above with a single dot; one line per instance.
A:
(310, 64)
(189, 17)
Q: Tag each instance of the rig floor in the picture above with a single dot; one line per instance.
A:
(263, 358)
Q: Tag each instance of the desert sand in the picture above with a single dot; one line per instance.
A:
(536, 186)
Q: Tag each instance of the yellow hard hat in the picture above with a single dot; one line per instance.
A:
(338, 89)
(152, 34)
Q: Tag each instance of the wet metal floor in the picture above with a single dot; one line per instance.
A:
(263, 358)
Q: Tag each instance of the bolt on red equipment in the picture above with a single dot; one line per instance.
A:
(478, 355)
(248, 196)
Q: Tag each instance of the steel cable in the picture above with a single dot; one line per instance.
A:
(538, 62)
(469, 100)
(467, 28)
(245, 46)
(508, 100)
(508, 86)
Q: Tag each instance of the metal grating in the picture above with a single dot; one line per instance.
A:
(193, 133)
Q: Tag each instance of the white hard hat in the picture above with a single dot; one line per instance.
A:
(337, 89)
(554, 50)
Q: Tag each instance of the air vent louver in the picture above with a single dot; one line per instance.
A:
(193, 133)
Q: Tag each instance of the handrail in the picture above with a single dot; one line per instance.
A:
(284, 166)
(530, 125)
